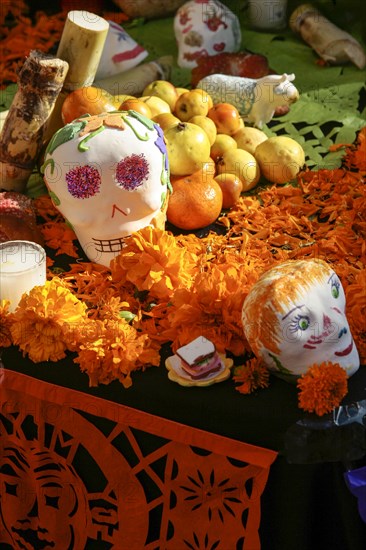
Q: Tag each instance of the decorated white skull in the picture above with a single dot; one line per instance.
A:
(205, 27)
(108, 175)
(294, 317)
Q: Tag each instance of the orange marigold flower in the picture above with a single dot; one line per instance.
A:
(60, 237)
(6, 320)
(112, 350)
(251, 376)
(322, 388)
(356, 311)
(152, 260)
(47, 321)
(46, 209)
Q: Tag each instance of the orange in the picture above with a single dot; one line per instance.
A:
(137, 105)
(196, 200)
(88, 100)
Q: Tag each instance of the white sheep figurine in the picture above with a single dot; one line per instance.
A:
(256, 100)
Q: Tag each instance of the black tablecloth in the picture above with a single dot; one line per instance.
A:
(305, 506)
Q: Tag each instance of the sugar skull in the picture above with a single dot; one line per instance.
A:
(205, 27)
(294, 317)
(108, 175)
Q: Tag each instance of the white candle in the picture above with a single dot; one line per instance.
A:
(22, 267)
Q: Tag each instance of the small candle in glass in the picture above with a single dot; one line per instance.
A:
(22, 267)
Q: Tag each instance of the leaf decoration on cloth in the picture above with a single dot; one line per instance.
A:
(319, 120)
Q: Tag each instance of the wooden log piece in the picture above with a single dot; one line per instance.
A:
(135, 80)
(331, 43)
(40, 81)
(81, 46)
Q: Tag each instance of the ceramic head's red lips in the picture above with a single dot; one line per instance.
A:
(346, 351)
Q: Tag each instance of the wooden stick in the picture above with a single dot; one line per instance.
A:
(331, 43)
(81, 46)
(40, 81)
(3, 116)
(134, 80)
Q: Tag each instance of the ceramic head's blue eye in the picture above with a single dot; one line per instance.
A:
(83, 182)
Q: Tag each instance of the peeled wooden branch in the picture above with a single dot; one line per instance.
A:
(331, 43)
(3, 116)
(134, 80)
(39, 83)
(81, 46)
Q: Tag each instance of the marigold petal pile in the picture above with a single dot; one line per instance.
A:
(166, 288)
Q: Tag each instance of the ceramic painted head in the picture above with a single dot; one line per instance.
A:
(120, 53)
(108, 175)
(294, 317)
(205, 27)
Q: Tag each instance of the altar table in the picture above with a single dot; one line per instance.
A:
(162, 467)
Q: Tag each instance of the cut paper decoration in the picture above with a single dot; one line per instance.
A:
(82, 472)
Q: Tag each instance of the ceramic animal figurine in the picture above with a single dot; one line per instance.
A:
(205, 27)
(294, 317)
(108, 175)
(255, 99)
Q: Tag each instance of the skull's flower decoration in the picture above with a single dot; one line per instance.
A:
(108, 175)
(205, 27)
(294, 317)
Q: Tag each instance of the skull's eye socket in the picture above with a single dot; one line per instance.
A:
(132, 171)
(83, 182)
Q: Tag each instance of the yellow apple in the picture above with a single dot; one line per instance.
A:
(120, 98)
(280, 158)
(248, 138)
(222, 143)
(181, 91)
(226, 118)
(205, 97)
(165, 120)
(242, 164)
(163, 89)
(188, 148)
(156, 104)
(190, 104)
(207, 125)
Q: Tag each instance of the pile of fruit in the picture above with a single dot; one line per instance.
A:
(213, 156)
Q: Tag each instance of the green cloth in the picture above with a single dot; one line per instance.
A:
(332, 104)
(327, 112)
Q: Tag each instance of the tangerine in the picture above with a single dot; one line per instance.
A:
(135, 104)
(88, 100)
(196, 200)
